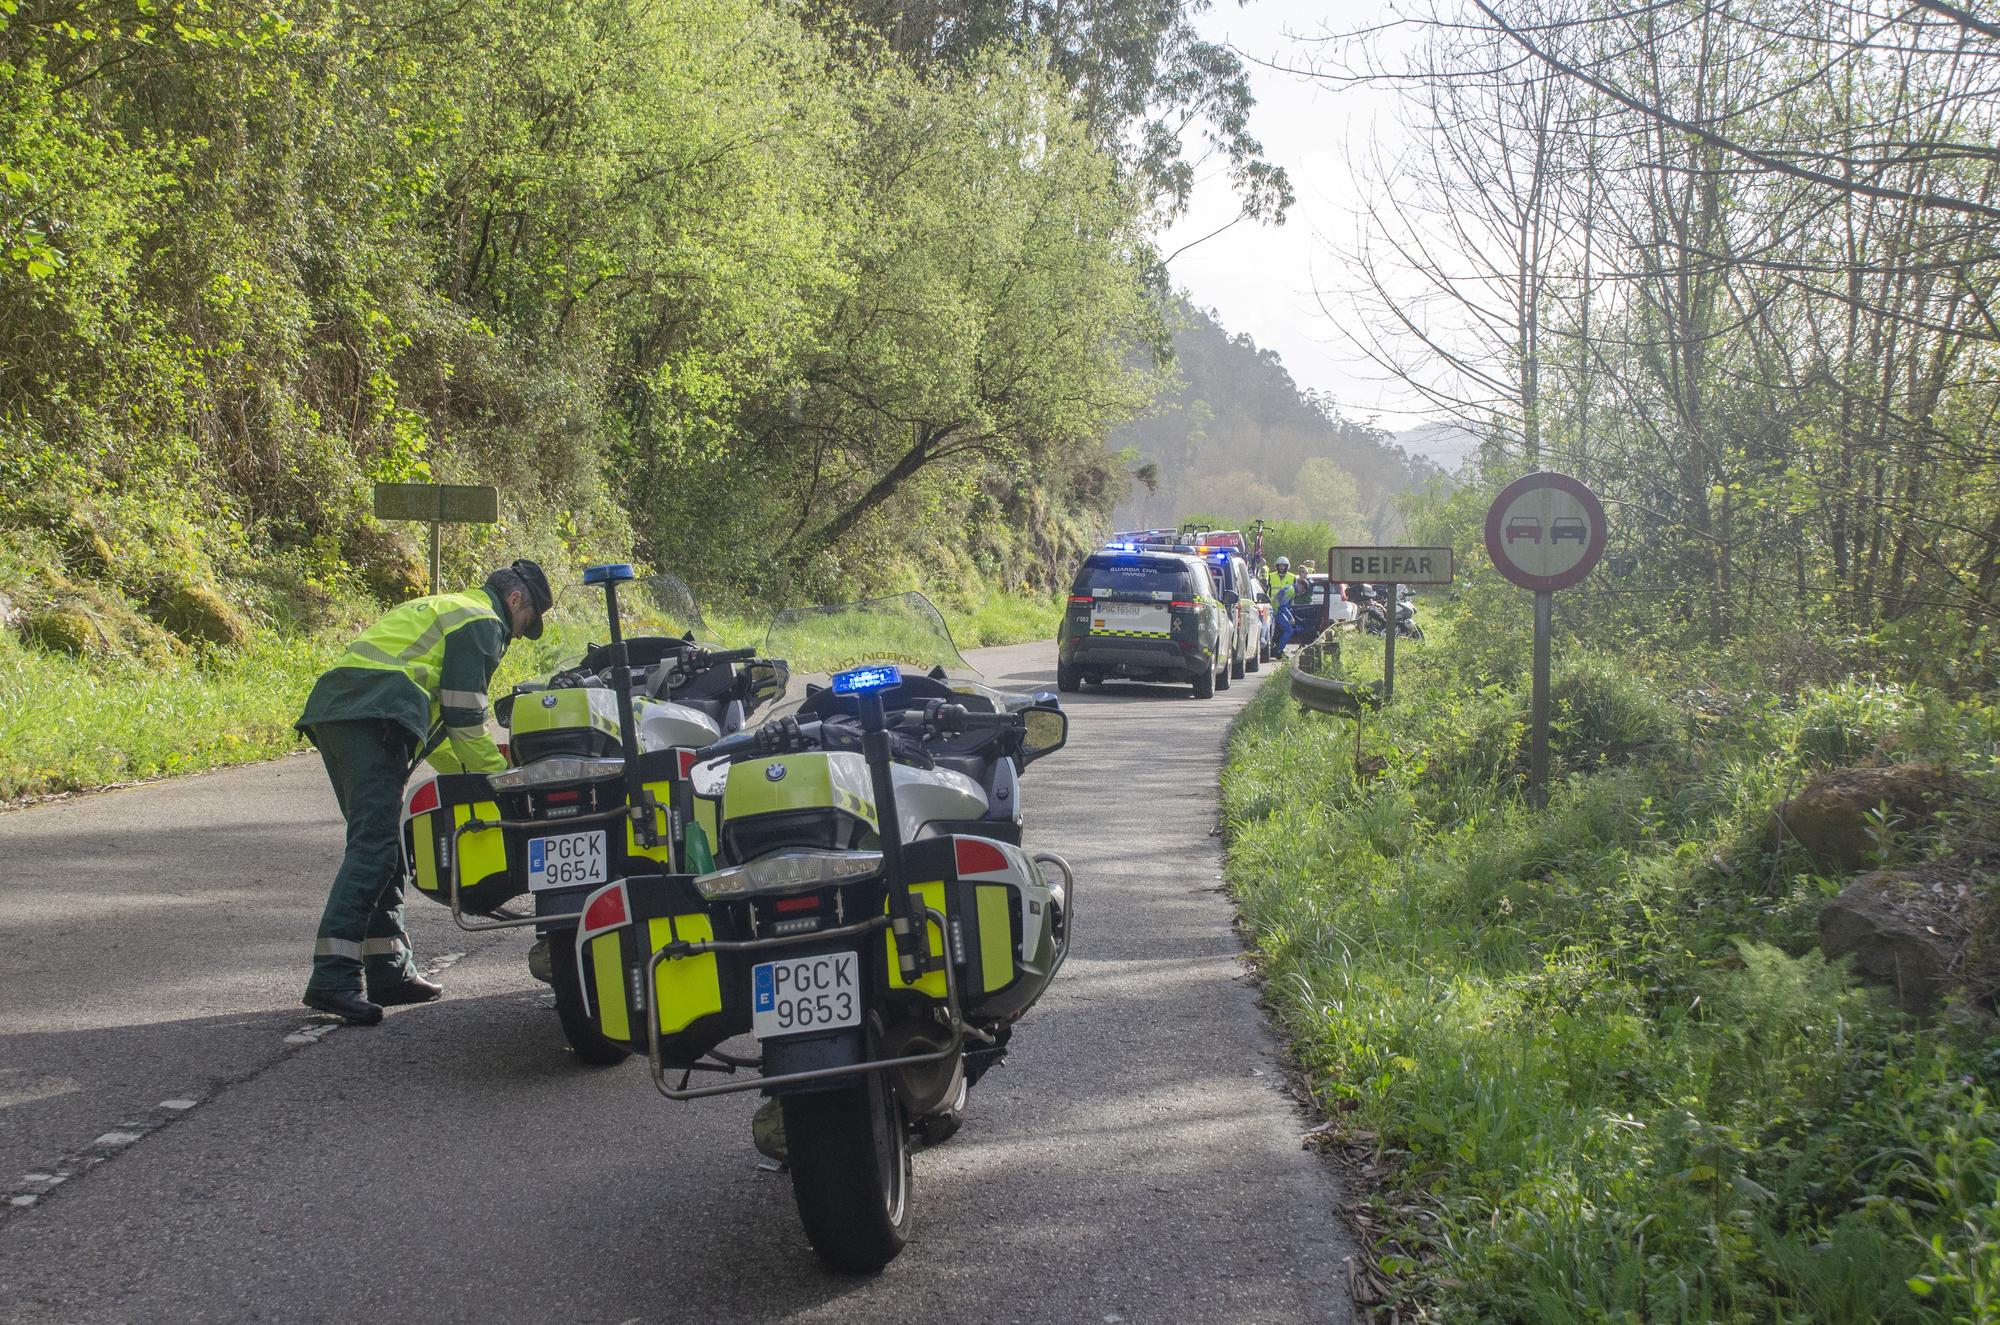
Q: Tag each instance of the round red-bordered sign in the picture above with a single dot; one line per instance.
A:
(1545, 531)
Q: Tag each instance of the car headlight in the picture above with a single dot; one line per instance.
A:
(556, 770)
(791, 871)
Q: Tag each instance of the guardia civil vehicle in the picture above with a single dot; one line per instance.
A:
(1141, 613)
(598, 754)
(874, 927)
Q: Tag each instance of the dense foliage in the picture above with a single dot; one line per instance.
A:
(733, 285)
(1590, 1055)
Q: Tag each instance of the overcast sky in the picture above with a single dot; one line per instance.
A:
(1261, 279)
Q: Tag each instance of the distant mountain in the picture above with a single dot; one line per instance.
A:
(1239, 439)
(1445, 445)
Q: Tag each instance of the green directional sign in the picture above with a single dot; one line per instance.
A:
(438, 504)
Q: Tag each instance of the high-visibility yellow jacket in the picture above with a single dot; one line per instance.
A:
(1281, 585)
(425, 666)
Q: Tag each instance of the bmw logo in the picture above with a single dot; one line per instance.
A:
(774, 772)
(548, 701)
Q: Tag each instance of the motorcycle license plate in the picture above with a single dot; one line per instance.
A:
(801, 994)
(568, 861)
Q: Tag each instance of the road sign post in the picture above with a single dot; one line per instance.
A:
(1394, 567)
(1544, 532)
(437, 504)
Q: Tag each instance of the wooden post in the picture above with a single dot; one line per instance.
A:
(1389, 646)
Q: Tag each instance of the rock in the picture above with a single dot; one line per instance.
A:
(196, 612)
(1831, 817)
(1901, 931)
(10, 615)
(66, 628)
(384, 561)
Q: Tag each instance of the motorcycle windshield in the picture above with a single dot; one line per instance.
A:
(904, 629)
(653, 605)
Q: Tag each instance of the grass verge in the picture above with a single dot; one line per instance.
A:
(1600, 1071)
(69, 725)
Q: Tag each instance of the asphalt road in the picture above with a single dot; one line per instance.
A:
(181, 1141)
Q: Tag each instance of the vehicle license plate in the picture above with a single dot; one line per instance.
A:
(568, 861)
(805, 994)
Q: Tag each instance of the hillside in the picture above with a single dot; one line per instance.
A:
(1237, 437)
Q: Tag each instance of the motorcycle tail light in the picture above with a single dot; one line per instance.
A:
(557, 769)
(426, 798)
(789, 871)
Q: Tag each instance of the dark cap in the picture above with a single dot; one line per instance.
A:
(525, 574)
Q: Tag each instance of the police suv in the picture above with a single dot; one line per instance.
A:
(1146, 614)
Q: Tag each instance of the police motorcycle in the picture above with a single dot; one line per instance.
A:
(1373, 603)
(873, 928)
(598, 755)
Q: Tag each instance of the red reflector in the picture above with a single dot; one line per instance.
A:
(1079, 598)
(1184, 604)
(560, 797)
(426, 798)
(606, 910)
(506, 751)
(686, 763)
(788, 904)
(977, 857)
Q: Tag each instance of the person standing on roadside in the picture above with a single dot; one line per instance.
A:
(413, 681)
(1283, 585)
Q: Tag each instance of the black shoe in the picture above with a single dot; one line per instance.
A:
(350, 1007)
(416, 989)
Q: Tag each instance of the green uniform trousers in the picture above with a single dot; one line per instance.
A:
(362, 928)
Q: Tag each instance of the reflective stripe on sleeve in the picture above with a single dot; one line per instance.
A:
(444, 625)
(382, 947)
(337, 948)
(463, 699)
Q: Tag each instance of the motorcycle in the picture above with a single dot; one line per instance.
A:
(873, 923)
(1374, 611)
(598, 754)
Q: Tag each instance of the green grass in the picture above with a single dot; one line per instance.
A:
(67, 725)
(1611, 1077)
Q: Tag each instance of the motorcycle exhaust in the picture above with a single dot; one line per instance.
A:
(927, 1087)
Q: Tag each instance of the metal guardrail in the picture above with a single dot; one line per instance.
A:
(1325, 694)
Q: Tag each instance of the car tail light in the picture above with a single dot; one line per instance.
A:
(1081, 599)
(1187, 606)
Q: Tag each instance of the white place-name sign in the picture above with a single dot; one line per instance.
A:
(1390, 565)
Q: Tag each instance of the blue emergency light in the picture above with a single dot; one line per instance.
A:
(609, 574)
(864, 680)
(1121, 547)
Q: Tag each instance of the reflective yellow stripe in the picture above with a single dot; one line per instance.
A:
(608, 979)
(687, 987)
(381, 947)
(337, 948)
(996, 937)
(463, 699)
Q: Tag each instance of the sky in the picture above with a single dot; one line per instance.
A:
(1261, 279)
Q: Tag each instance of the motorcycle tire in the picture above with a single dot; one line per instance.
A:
(1204, 685)
(1236, 668)
(1255, 660)
(850, 1161)
(1413, 632)
(1068, 680)
(589, 1045)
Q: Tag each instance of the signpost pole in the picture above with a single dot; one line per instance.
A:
(1538, 745)
(437, 561)
(1389, 648)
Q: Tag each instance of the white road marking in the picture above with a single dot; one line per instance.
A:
(24, 1200)
(312, 1032)
(178, 1104)
(116, 1139)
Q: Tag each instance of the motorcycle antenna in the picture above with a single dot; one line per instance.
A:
(638, 802)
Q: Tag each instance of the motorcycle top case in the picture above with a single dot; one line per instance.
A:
(494, 862)
(998, 913)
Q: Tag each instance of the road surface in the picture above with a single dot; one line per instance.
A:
(181, 1141)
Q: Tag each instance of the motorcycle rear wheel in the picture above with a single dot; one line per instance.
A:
(581, 1032)
(850, 1159)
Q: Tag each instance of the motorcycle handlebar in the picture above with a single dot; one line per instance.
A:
(732, 655)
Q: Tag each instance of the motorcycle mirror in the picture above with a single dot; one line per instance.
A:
(1046, 731)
